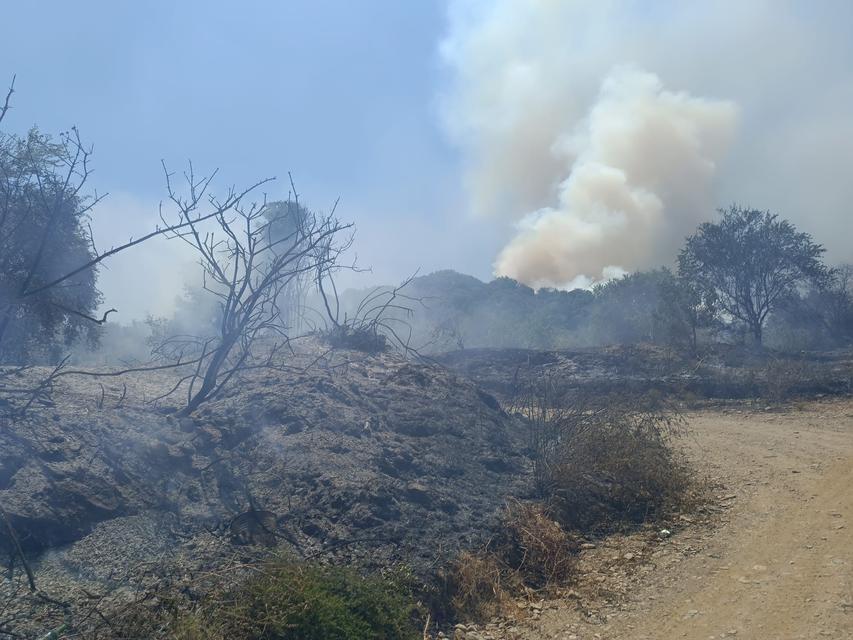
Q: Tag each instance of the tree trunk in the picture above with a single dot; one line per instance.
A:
(757, 330)
(211, 375)
(693, 341)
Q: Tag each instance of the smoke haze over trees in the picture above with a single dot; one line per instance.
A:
(44, 234)
(604, 133)
(735, 275)
(430, 94)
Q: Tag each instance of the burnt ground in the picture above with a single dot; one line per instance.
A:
(723, 372)
(356, 458)
(367, 459)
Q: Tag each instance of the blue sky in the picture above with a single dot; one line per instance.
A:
(327, 89)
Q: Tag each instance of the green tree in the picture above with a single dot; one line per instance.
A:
(645, 306)
(748, 263)
(682, 311)
(44, 235)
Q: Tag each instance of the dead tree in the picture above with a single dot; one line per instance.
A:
(7, 102)
(380, 319)
(28, 182)
(246, 268)
(384, 314)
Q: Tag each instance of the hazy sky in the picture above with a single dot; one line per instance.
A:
(340, 93)
(386, 104)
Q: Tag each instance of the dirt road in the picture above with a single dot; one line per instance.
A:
(775, 564)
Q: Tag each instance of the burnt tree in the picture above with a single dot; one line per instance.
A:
(246, 266)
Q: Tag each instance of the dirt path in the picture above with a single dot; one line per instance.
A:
(776, 564)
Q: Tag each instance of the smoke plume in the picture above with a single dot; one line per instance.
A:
(638, 172)
(562, 143)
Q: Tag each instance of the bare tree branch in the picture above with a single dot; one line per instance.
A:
(221, 208)
(247, 270)
(7, 102)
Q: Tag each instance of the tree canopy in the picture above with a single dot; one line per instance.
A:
(749, 262)
(44, 234)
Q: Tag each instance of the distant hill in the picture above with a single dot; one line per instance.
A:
(454, 310)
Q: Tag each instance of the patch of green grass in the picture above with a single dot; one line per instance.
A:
(289, 600)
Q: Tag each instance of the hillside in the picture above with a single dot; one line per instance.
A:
(367, 459)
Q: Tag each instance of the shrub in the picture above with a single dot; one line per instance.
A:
(602, 461)
(612, 474)
(476, 586)
(366, 339)
(536, 547)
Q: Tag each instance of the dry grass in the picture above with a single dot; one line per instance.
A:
(604, 461)
(783, 378)
(531, 553)
(477, 586)
(536, 547)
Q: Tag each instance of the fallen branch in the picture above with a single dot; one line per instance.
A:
(18, 550)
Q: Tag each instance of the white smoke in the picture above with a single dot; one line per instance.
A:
(146, 279)
(638, 174)
(600, 167)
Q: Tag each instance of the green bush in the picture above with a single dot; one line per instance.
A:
(288, 600)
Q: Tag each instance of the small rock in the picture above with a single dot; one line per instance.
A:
(418, 493)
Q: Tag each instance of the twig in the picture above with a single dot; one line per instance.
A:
(6, 103)
(17, 545)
